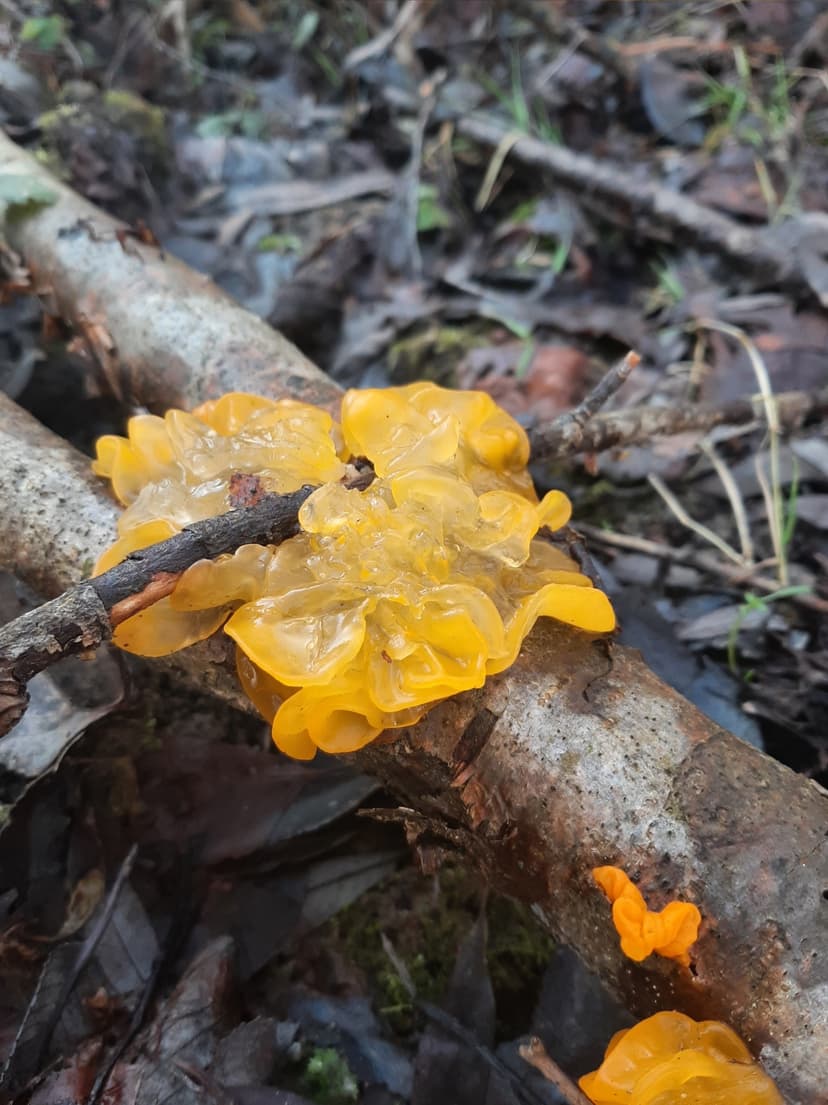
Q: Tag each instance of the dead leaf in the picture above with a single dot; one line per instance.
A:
(794, 346)
(247, 18)
(59, 1015)
(184, 1034)
(83, 901)
(813, 509)
(673, 98)
(262, 914)
(72, 1084)
(233, 801)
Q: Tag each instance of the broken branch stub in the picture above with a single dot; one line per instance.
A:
(577, 756)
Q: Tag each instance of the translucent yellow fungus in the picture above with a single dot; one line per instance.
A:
(389, 599)
(670, 1058)
(670, 932)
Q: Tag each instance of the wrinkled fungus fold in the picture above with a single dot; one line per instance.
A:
(389, 599)
(670, 1058)
(671, 932)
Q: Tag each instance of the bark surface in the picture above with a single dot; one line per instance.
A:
(577, 756)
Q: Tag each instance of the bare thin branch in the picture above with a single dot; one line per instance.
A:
(537, 1056)
(568, 429)
(629, 198)
(83, 617)
(640, 425)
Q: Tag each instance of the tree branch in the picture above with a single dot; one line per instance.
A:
(631, 199)
(84, 616)
(640, 425)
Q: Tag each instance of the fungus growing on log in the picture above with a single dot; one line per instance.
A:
(389, 598)
(670, 1058)
(669, 933)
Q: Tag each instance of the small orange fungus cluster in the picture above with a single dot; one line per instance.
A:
(389, 599)
(670, 1058)
(670, 933)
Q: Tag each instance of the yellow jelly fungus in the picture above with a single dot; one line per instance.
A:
(670, 932)
(670, 1058)
(389, 599)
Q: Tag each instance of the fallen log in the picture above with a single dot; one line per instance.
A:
(576, 756)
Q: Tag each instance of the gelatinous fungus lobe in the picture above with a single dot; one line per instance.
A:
(671, 932)
(670, 1058)
(389, 599)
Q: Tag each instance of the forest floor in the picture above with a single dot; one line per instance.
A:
(353, 173)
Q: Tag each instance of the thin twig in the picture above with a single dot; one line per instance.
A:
(537, 1056)
(640, 425)
(84, 617)
(568, 429)
(629, 199)
(380, 43)
(185, 916)
(605, 388)
(451, 1024)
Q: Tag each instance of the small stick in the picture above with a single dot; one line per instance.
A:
(537, 1056)
(645, 204)
(569, 427)
(605, 388)
(639, 425)
(84, 617)
(453, 1026)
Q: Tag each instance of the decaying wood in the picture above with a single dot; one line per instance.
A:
(577, 756)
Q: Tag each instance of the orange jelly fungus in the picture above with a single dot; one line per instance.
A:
(389, 599)
(670, 933)
(670, 1058)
